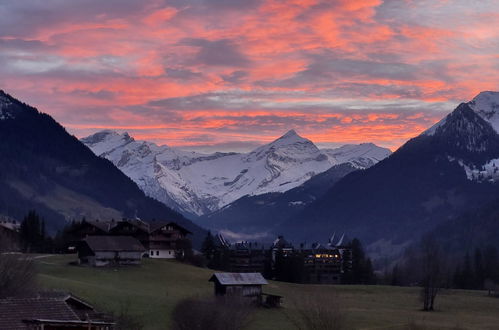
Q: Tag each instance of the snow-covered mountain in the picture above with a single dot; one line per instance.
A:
(449, 169)
(198, 183)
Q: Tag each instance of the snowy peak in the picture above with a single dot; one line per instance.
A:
(290, 146)
(107, 140)
(486, 105)
(290, 138)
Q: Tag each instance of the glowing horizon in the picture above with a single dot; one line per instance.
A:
(233, 74)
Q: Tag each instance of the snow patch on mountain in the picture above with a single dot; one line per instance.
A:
(486, 172)
(486, 104)
(201, 183)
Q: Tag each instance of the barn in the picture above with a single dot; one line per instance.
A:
(110, 251)
(248, 285)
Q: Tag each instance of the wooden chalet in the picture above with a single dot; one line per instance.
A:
(100, 251)
(51, 311)
(163, 239)
(247, 285)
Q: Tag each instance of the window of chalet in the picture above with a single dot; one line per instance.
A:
(157, 253)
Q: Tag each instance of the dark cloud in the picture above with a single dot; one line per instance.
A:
(235, 77)
(182, 74)
(222, 52)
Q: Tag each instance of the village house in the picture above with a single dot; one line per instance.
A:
(160, 238)
(10, 238)
(164, 238)
(51, 311)
(100, 251)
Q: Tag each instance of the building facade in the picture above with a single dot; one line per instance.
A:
(161, 239)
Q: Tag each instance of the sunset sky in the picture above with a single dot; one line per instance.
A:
(232, 74)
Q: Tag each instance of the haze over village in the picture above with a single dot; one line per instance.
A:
(256, 164)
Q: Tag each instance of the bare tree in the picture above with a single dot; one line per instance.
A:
(221, 313)
(431, 263)
(316, 311)
(17, 275)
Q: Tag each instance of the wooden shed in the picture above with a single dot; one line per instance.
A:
(248, 285)
(110, 250)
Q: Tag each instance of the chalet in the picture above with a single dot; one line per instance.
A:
(163, 239)
(247, 285)
(160, 238)
(110, 251)
(51, 311)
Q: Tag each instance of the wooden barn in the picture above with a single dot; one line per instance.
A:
(100, 251)
(247, 285)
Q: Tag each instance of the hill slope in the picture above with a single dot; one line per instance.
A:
(46, 169)
(259, 216)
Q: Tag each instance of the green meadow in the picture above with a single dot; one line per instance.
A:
(151, 291)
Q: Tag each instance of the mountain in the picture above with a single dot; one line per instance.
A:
(46, 169)
(197, 184)
(433, 178)
(257, 217)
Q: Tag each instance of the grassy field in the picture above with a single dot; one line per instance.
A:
(152, 290)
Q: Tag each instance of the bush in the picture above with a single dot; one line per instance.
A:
(220, 313)
(317, 311)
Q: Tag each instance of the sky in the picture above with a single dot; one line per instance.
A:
(229, 75)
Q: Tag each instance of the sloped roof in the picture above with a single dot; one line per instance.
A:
(15, 312)
(113, 243)
(155, 225)
(239, 279)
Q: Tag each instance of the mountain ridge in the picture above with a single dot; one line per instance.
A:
(196, 183)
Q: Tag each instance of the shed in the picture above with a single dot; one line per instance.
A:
(248, 285)
(110, 250)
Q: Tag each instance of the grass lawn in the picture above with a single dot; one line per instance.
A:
(152, 290)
